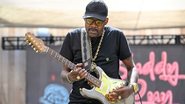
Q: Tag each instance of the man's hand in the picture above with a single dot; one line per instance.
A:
(119, 93)
(77, 74)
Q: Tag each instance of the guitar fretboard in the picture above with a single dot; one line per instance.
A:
(72, 66)
(60, 58)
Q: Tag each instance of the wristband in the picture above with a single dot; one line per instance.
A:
(67, 77)
(135, 87)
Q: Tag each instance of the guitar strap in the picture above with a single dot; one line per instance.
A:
(85, 49)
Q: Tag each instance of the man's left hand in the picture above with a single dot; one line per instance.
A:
(120, 93)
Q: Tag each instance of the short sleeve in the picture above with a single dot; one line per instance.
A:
(66, 50)
(124, 48)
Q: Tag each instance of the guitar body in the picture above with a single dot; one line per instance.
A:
(107, 85)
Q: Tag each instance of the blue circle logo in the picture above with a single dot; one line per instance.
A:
(55, 94)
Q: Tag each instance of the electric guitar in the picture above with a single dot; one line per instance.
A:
(102, 85)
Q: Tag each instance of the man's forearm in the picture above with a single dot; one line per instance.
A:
(65, 75)
(133, 77)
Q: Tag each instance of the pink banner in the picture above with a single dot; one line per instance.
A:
(165, 71)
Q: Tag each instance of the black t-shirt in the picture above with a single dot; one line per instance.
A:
(114, 47)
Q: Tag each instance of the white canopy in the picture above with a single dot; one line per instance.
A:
(126, 14)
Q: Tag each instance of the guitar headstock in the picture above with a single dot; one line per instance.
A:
(36, 43)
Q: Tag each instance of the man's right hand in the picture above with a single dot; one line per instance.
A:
(78, 73)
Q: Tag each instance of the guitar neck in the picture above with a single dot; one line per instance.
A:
(72, 66)
(60, 58)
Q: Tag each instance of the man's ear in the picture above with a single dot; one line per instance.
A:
(106, 21)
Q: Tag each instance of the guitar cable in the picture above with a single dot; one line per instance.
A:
(139, 97)
(127, 83)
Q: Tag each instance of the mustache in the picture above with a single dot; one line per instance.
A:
(92, 29)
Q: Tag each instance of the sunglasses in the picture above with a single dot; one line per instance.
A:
(90, 21)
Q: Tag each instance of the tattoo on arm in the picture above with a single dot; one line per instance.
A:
(129, 63)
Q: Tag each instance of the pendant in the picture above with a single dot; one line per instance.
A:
(93, 66)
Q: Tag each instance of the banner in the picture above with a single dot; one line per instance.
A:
(161, 70)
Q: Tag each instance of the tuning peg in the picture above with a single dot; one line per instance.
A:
(29, 43)
(37, 51)
(31, 38)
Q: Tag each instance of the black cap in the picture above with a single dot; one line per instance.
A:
(96, 9)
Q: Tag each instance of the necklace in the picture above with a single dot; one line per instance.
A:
(98, 49)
